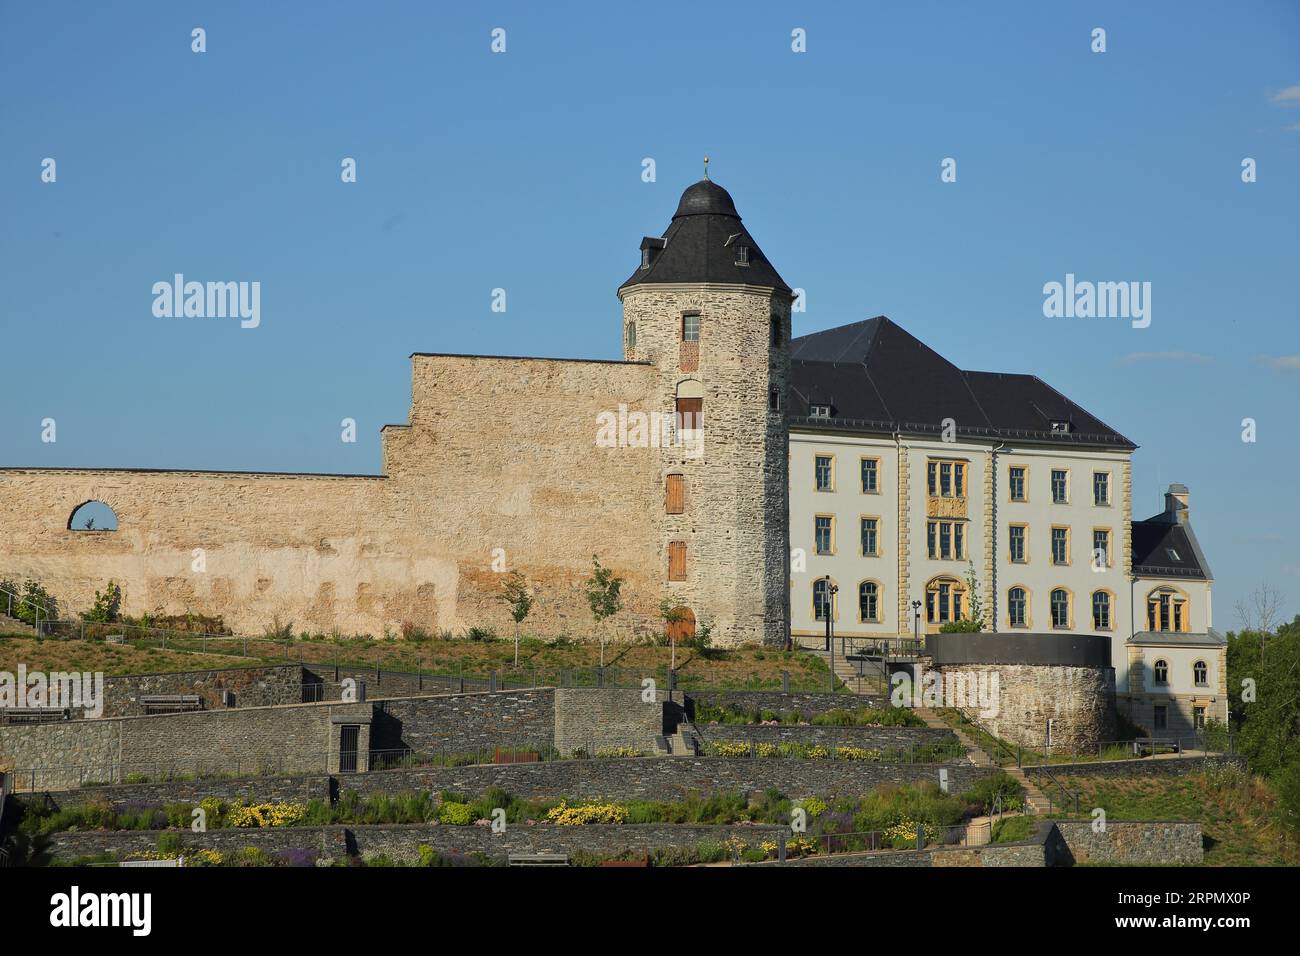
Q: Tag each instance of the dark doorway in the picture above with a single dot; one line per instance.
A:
(348, 748)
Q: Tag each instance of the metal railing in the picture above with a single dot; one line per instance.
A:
(868, 840)
(13, 601)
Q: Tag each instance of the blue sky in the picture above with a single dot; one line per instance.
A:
(523, 171)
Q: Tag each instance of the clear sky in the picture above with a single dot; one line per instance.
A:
(522, 171)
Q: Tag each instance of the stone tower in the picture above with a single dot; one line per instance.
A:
(710, 313)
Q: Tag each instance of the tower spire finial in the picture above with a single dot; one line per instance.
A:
(706, 167)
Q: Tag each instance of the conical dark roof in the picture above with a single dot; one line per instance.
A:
(700, 245)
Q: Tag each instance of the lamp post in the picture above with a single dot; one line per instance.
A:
(916, 622)
(831, 591)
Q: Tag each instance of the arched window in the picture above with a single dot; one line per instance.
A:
(1060, 608)
(690, 405)
(1017, 607)
(1101, 610)
(631, 335)
(869, 601)
(1161, 672)
(92, 516)
(822, 601)
(1201, 674)
(944, 600)
(1167, 610)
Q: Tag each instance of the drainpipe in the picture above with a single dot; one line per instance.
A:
(993, 585)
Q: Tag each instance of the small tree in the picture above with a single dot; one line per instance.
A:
(35, 603)
(604, 597)
(107, 606)
(672, 615)
(515, 593)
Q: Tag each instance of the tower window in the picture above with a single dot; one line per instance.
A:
(645, 258)
(691, 327)
(774, 399)
(675, 495)
(631, 335)
(676, 560)
(742, 255)
(777, 335)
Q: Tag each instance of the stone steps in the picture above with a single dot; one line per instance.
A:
(1035, 801)
(11, 625)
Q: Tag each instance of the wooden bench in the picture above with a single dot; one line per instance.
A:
(538, 859)
(33, 715)
(169, 703)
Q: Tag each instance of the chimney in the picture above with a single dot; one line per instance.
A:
(1176, 503)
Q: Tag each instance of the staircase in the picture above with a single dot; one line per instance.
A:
(872, 683)
(685, 742)
(11, 625)
(1035, 801)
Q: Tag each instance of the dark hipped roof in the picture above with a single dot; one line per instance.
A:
(1153, 542)
(700, 245)
(877, 376)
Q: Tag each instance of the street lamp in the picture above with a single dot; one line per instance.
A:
(916, 622)
(831, 591)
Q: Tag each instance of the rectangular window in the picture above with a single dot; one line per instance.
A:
(1016, 538)
(946, 479)
(690, 414)
(946, 540)
(691, 327)
(1100, 488)
(1160, 717)
(675, 503)
(773, 400)
(1100, 548)
(676, 560)
(819, 411)
(1060, 545)
(1016, 483)
(870, 472)
(777, 336)
(823, 533)
(1060, 486)
(825, 473)
(1198, 718)
(869, 529)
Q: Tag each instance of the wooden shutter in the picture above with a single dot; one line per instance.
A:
(690, 413)
(676, 560)
(675, 502)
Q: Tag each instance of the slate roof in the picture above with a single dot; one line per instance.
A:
(877, 376)
(699, 245)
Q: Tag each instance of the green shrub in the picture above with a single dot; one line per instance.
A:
(1014, 829)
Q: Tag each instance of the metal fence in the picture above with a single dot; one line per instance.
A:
(309, 654)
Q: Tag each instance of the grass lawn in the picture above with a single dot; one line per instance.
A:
(1237, 812)
(96, 656)
(751, 667)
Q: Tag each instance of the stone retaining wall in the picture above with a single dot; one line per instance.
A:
(1129, 843)
(467, 723)
(401, 842)
(1141, 767)
(810, 702)
(871, 738)
(252, 687)
(665, 778)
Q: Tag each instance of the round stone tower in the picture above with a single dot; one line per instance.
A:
(710, 313)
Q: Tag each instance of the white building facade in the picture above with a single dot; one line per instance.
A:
(910, 479)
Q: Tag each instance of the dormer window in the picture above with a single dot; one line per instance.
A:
(1060, 427)
(819, 411)
(742, 255)
(650, 249)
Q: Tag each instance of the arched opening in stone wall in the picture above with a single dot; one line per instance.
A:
(681, 627)
(92, 516)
